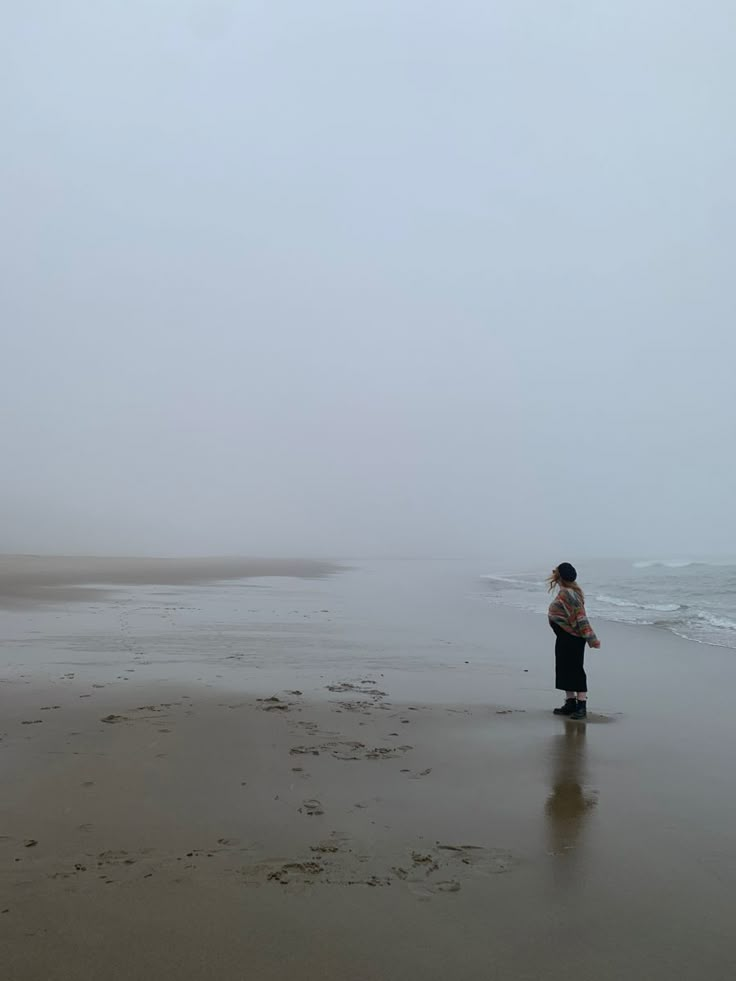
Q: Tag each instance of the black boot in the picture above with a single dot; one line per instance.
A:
(581, 712)
(568, 708)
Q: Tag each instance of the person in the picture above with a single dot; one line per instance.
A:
(573, 631)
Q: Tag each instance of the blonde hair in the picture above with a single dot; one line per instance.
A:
(556, 580)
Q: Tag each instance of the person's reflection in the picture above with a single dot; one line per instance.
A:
(570, 803)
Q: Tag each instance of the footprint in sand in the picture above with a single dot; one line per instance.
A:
(363, 707)
(113, 857)
(486, 861)
(352, 750)
(424, 890)
(273, 704)
(119, 857)
(428, 872)
(361, 688)
(311, 727)
(441, 869)
(306, 872)
(312, 808)
(386, 753)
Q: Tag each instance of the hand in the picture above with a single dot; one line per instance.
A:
(596, 644)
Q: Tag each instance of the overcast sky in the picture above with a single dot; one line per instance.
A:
(392, 277)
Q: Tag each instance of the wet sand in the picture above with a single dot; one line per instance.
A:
(28, 580)
(259, 780)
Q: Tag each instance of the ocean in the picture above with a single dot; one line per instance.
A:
(695, 599)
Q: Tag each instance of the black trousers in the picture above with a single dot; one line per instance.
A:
(569, 658)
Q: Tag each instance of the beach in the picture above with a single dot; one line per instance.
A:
(349, 772)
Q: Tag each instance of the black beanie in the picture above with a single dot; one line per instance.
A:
(567, 572)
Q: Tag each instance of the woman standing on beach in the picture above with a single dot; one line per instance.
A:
(570, 623)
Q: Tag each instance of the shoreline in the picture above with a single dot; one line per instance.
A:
(658, 628)
(38, 581)
(699, 609)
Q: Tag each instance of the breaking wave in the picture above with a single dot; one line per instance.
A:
(658, 607)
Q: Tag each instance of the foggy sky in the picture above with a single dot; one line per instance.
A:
(346, 278)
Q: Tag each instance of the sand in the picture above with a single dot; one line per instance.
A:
(30, 580)
(287, 777)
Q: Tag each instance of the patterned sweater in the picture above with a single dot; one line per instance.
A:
(567, 610)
